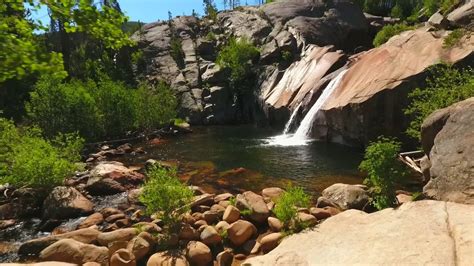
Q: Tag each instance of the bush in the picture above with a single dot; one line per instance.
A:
(177, 52)
(64, 107)
(388, 32)
(286, 208)
(445, 86)
(105, 109)
(27, 159)
(239, 56)
(383, 170)
(165, 195)
(453, 38)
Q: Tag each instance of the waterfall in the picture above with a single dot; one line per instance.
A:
(292, 117)
(302, 134)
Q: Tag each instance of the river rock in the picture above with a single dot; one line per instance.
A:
(6, 223)
(272, 193)
(94, 219)
(270, 241)
(421, 232)
(111, 178)
(222, 197)
(167, 258)
(139, 247)
(255, 203)
(219, 209)
(211, 217)
(240, 231)
(347, 196)
(320, 213)
(307, 219)
(210, 236)
(222, 227)
(125, 234)
(275, 224)
(35, 246)
(66, 202)
(231, 214)
(106, 212)
(204, 199)
(447, 136)
(70, 250)
(133, 196)
(224, 258)
(123, 257)
(198, 253)
(187, 232)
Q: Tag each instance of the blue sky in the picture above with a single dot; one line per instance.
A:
(152, 10)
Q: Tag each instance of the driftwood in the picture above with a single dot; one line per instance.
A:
(414, 164)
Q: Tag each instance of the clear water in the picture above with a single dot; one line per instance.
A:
(239, 157)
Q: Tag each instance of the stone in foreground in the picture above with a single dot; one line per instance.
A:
(417, 233)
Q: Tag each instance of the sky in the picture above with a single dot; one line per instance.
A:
(152, 10)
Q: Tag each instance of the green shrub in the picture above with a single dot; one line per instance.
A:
(211, 36)
(239, 57)
(286, 208)
(165, 195)
(27, 159)
(56, 107)
(383, 170)
(156, 105)
(453, 38)
(177, 52)
(388, 32)
(445, 86)
(210, 9)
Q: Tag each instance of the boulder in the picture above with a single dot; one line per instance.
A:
(222, 227)
(249, 200)
(125, 234)
(222, 197)
(94, 219)
(224, 258)
(421, 232)
(463, 15)
(275, 224)
(319, 213)
(66, 202)
(231, 214)
(133, 196)
(240, 231)
(72, 251)
(167, 258)
(270, 241)
(439, 21)
(210, 217)
(187, 232)
(272, 193)
(204, 199)
(447, 136)
(347, 196)
(123, 257)
(198, 253)
(210, 236)
(307, 219)
(35, 246)
(139, 247)
(111, 178)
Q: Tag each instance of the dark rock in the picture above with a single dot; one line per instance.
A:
(66, 202)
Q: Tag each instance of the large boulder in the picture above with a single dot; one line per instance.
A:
(241, 231)
(111, 178)
(447, 138)
(66, 202)
(253, 202)
(198, 253)
(417, 233)
(347, 196)
(72, 251)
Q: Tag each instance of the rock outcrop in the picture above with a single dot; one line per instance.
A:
(423, 232)
(447, 138)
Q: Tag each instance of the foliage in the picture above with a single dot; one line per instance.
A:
(404, 9)
(383, 170)
(453, 38)
(165, 195)
(286, 56)
(239, 56)
(287, 206)
(388, 32)
(97, 110)
(211, 36)
(27, 159)
(177, 52)
(445, 86)
(56, 107)
(210, 9)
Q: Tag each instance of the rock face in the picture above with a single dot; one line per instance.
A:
(66, 202)
(447, 138)
(285, 26)
(423, 232)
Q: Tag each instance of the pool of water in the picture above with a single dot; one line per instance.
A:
(240, 158)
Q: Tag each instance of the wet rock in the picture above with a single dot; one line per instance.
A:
(66, 202)
(241, 231)
(123, 257)
(272, 193)
(198, 253)
(125, 234)
(69, 250)
(224, 258)
(319, 213)
(94, 219)
(35, 246)
(347, 196)
(210, 236)
(231, 214)
(255, 203)
(167, 258)
(275, 224)
(270, 241)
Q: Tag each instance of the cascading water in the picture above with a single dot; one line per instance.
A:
(292, 118)
(302, 134)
